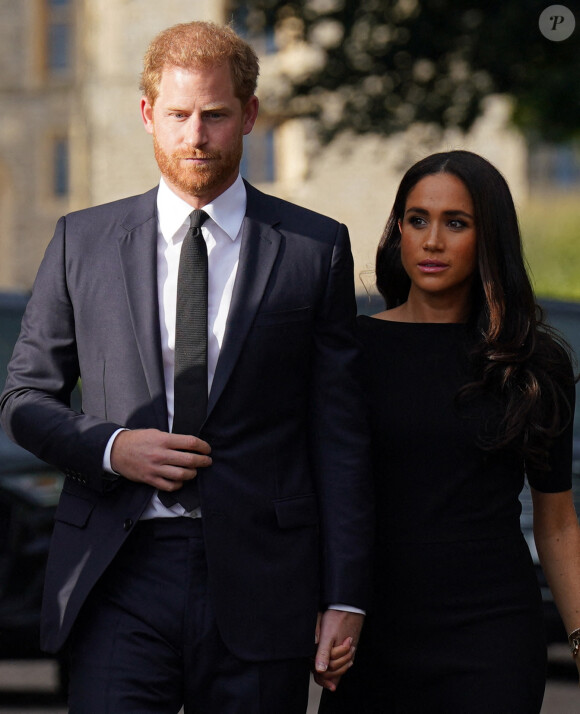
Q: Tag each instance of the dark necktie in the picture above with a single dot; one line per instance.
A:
(190, 381)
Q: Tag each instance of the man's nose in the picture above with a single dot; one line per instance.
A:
(196, 134)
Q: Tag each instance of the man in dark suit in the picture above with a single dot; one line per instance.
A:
(210, 602)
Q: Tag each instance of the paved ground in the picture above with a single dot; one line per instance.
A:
(28, 687)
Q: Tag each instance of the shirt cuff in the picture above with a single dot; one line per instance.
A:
(107, 455)
(347, 608)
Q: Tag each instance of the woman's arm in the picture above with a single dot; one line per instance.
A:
(557, 536)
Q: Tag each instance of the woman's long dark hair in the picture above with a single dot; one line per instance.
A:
(519, 357)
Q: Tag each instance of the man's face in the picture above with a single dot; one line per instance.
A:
(197, 124)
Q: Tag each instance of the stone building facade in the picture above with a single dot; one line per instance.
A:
(71, 133)
(70, 129)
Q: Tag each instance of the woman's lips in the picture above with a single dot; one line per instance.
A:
(432, 266)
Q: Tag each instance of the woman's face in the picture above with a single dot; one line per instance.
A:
(438, 237)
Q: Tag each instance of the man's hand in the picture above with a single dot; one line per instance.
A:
(160, 459)
(337, 635)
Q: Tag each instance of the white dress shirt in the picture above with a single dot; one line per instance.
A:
(222, 234)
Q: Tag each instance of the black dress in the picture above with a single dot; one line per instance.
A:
(456, 625)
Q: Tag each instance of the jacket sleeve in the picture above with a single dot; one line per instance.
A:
(44, 369)
(340, 443)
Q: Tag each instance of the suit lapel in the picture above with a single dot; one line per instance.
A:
(138, 254)
(258, 251)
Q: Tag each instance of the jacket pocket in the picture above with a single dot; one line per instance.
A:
(281, 317)
(73, 510)
(297, 511)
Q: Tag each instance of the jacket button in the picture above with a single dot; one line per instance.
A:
(128, 524)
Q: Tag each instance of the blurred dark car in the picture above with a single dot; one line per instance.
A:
(29, 492)
(565, 317)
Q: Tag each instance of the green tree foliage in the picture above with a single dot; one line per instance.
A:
(387, 63)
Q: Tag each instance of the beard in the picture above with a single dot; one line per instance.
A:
(198, 180)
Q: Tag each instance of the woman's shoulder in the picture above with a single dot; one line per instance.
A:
(378, 325)
(368, 321)
(376, 334)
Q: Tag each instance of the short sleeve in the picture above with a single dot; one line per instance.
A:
(559, 477)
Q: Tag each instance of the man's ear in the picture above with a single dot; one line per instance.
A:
(147, 114)
(250, 113)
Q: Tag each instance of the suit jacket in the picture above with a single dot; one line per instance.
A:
(286, 504)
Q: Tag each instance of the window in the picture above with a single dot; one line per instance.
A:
(59, 15)
(60, 171)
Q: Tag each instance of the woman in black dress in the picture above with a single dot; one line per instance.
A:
(468, 390)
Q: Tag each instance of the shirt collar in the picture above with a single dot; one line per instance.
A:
(227, 210)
